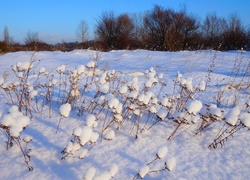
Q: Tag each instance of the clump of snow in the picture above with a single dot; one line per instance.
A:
(202, 86)
(170, 164)
(113, 170)
(110, 135)
(90, 120)
(77, 131)
(15, 120)
(65, 109)
(90, 64)
(94, 137)
(245, 119)
(123, 89)
(194, 106)
(113, 103)
(27, 139)
(24, 66)
(104, 88)
(80, 69)
(61, 69)
(162, 113)
(143, 171)
(83, 153)
(90, 174)
(162, 152)
(42, 70)
(85, 135)
(232, 116)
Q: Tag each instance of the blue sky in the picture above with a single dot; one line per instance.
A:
(57, 20)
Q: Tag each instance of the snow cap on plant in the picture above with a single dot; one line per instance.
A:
(143, 171)
(104, 88)
(42, 70)
(90, 174)
(24, 66)
(65, 109)
(90, 120)
(193, 106)
(110, 135)
(77, 131)
(85, 135)
(232, 116)
(170, 164)
(90, 64)
(113, 170)
(80, 69)
(202, 86)
(83, 153)
(162, 113)
(27, 139)
(245, 119)
(162, 152)
(15, 120)
(61, 69)
(123, 89)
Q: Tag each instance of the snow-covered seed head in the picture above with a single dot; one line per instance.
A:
(90, 64)
(170, 164)
(162, 152)
(110, 135)
(245, 119)
(77, 131)
(42, 70)
(27, 139)
(123, 89)
(113, 170)
(232, 117)
(104, 88)
(143, 171)
(194, 106)
(61, 69)
(90, 120)
(162, 113)
(65, 109)
(90, 174)
(83, 153)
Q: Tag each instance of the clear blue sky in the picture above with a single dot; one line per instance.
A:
(57, 20)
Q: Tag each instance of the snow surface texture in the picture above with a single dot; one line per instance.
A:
(123, 157)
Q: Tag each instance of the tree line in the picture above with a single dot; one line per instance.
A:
(160, 29)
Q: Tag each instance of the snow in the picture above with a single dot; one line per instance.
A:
(232, 116)
(162, 113)
(162, 152)
(90, 120)
(65, 109)
(77, 131)
(171, 163)
(90, 174)
(61, 69)
(193, 107)
(194, 160)
(104, 88)
(110, 135)
(245, 119)
(143, 171)
(113, 170)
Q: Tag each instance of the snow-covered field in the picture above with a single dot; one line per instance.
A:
(90, 115)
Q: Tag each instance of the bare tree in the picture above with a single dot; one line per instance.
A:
(234, 35)
(157, 22)
(114, 32)
(212, 29)
(6, 37)
(82, 32)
